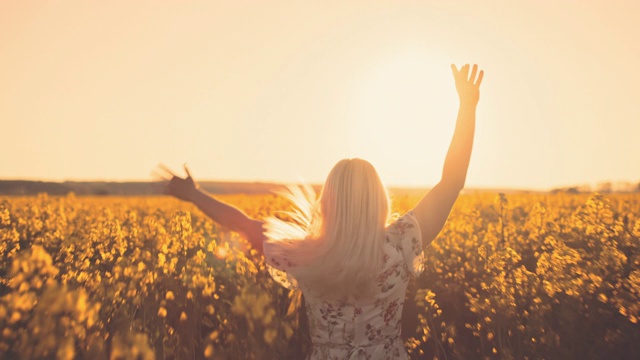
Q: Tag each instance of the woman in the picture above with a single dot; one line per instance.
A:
(351, 265)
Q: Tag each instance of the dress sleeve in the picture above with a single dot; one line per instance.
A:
(404, 234)
(280, 263)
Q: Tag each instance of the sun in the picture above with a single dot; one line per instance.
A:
(404, 106)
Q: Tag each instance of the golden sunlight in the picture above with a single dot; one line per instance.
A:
(406, 100)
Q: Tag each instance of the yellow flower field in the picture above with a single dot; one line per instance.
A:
(530, 276)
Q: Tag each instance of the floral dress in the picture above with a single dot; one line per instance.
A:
(362, 331)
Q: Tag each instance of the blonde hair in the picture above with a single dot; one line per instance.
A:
(337, 239)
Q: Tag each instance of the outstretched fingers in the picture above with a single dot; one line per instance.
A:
(464, 72)
(159, 177)
(480, 76)
(186, 169)
(474, 70)
(166, 170)
(455, 71)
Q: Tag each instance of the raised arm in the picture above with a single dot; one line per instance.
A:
(222, 213)
(434, 208)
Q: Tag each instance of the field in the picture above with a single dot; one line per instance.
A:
(521, 276)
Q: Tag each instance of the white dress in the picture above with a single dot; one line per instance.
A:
(371, 331)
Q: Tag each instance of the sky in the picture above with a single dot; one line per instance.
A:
(282, 90)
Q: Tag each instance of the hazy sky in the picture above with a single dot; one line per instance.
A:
(280, 91)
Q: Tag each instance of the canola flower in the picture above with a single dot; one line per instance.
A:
(510, 277)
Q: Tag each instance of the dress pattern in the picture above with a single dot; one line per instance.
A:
(364, 331)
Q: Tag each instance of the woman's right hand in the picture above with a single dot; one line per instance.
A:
(181, 188)
(468, 87)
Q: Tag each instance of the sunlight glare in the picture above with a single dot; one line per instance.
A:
(406, 103)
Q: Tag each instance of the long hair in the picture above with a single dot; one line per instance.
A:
(337, 239)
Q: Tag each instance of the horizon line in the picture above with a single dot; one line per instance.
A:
(276, 182)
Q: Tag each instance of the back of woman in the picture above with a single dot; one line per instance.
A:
(366, 328)
(352, 268)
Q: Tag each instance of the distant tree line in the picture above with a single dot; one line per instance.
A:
(605, 187)
(100, 188)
